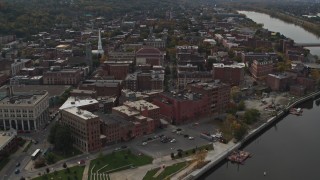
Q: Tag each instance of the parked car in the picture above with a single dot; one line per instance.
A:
(191, 138)
(18, 164)
(17, 171)
(144, 143)
(173, 140)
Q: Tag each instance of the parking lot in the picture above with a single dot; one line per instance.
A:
(161, 143)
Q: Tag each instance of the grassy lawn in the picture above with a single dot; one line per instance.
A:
(57, 156)
(167, 171)
(117, 161)
(74, 173)
(190, 152)
(27, 147)
(4, 162)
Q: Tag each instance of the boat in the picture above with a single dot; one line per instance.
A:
(239, 156)
(296, 111)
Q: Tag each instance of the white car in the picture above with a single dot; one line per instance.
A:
(144, 143)
(173, 140)
(191, 138)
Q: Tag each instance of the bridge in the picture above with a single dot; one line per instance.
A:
(307, 44)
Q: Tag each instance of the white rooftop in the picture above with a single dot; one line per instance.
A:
(86, 115)
(76, 102)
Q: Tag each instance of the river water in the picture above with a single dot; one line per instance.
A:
(290, 149)
(297, 33)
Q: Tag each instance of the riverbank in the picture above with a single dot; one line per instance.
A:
(216, 159)
(306, 25)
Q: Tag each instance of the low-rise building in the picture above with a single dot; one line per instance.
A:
(232, 74)
(181, 107)
(62, 77)
(84, 127)
(8, 142)
(261, 68)
(149, 55)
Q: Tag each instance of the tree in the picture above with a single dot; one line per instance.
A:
(180, 154)
(241, 106)
(251, 116)
(47, 170)
(239, 131)
(50, 158)
(40, 162)
(64, 165)
(172, 155)
(60, 137)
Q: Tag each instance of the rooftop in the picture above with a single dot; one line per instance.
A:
(6, 137)
(141, 104)
(23, 99)
(83, 114)
(112, 119)
(236, 65)
(76, 102)
(53, 90)
(126, 110)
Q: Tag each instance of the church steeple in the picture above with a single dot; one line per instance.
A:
(99, 42)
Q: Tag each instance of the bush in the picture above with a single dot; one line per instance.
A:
(251, 116)
(172, 155)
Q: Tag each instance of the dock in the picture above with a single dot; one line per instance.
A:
(239, 156)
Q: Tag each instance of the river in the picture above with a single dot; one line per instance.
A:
(289, 149)
(297, 33)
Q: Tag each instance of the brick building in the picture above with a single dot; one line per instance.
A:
(103, 87)
(149, 55)
(181, 107)
(186, 77)
(115, 128)
(232, 74)
(261, 68)
(118, 69)
(143, 81)
(217, 95)
(279, 82)
(62, 77)
(85, 128)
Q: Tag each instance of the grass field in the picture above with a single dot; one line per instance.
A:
(165, 173)
(74, 173)
(117, 161)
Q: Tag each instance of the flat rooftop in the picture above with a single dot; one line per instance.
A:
(126, 110)
(76, 102)
(27, 99)
(6, 137)
(221, 65)
(83, 114)
(141, 104)
(53, 90)
(112, 119)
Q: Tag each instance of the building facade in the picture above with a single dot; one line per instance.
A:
(84, 127)
(63, 77)
(261, 69)
(232, 74)
(25, 112)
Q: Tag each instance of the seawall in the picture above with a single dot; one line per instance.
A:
(252, 134)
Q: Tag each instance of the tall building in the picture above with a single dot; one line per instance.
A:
(24, 112)
(261, 68)
(85, 128)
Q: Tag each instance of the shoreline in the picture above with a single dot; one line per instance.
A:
(306, 25)
(216, 159)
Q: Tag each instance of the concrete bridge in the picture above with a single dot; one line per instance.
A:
(307, 44)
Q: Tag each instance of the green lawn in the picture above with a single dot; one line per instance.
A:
(4, 162)
(74, 173)
(190, 152)
(167, 171)
(117, 161)
(56, 156)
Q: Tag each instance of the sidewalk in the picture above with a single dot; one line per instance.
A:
(85, 175)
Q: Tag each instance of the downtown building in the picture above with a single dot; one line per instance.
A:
(84, 127)
(24, 111)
